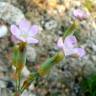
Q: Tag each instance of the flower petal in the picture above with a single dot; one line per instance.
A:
(14, 39)
(24, 25)
(68, 52)
(79, 51)
(60, 43)
(80, 14)
(22, 39)
(34, 30)
(17, 33)
(70, 41)
(77, 13)
(31, 40)
(15, 30)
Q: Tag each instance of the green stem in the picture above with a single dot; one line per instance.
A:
(22, 90)
(16, 85)
(19, 79)
(43, 70)
(26, 84)
(71, 29)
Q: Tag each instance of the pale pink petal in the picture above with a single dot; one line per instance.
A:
(79, 51)
(14, 39)
(70, 41)
(16, 33)
(23, 33)
(22, 39)
(31, 40)
(67, 52)
(34, 30)
(15, 30)
(80, 14)
(77, 13)
(60, 43)
(24, 25)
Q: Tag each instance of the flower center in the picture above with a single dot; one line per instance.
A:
(24, 35)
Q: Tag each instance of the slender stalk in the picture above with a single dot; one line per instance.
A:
(28, 81)
(22, 90)
(19, 79)
(18, 83)
(43, 70)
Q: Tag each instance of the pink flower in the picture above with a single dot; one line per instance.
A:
(24, 32)
(80, 14)
(68, 46)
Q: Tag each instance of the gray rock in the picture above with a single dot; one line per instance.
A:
(10, 14)
(2, 84)
(31, 53)
(94, 48)
(51, 24)
(3, 30)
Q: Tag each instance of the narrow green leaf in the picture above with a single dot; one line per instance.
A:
(48, 64)
(19, 57)
(16, 56)
(43, 70)
(70, 29)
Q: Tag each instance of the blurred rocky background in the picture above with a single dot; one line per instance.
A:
(64, 79)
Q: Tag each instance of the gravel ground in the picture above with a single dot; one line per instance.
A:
(64, 78)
